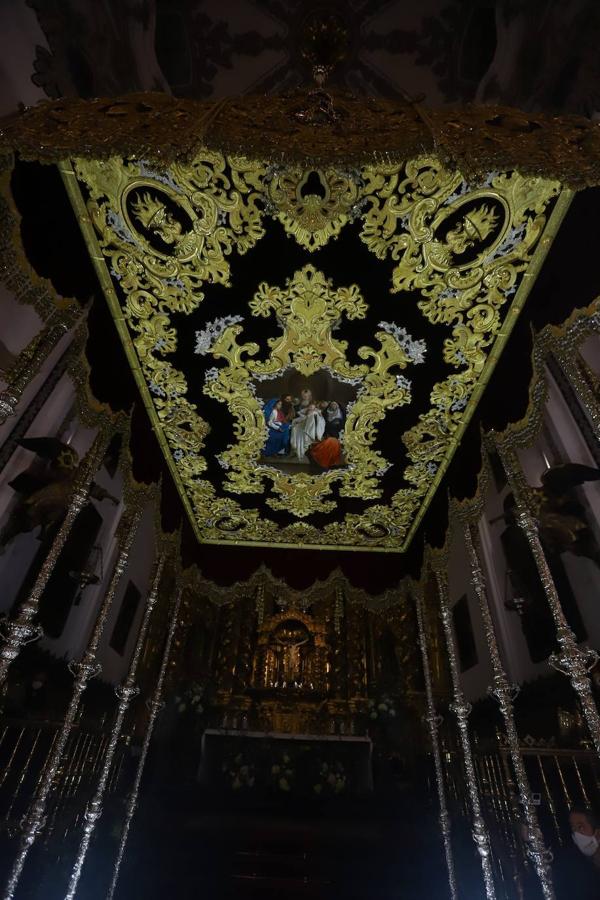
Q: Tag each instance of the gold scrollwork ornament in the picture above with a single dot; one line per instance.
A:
(307, 308)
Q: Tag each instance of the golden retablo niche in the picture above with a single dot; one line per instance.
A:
(291, 655)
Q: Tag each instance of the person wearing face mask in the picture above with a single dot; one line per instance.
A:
(585, 832)
(576, 868)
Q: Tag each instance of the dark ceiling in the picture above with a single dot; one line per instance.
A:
(537, 55)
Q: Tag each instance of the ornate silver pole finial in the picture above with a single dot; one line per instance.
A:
(433, 723)
(155, 705)
(83, 671)
(125, 692)
(20, 630)
(461, 709)
(570, 660)
(504, 692)
(8, 404)
(30, 360)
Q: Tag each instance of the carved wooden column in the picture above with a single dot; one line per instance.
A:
(247, 632)
(226, 653)
(260, 603)
(357, 674)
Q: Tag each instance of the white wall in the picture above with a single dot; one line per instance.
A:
(20, 322)
(590, 350)
(139, 570)
(583, 574)
(19, 554)
(73, 639)
(474, 681)
(512, 644)
(82, 617)
(34, 385)
(20, 33)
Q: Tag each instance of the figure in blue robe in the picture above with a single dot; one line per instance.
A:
(278, 441)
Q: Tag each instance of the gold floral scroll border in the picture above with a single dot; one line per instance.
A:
(226, 518)
(31, 289)
(306, 535)
(308, 309)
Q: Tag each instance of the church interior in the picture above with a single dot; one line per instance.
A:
(299, 450)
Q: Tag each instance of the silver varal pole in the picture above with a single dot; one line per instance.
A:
(433, 723)
(126, 692)
(570, 660)
(83, 671)
(31, 359)
(20, 630)
(155, 706)
(504, 692)
(461, 710)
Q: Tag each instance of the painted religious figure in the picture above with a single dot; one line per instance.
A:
(278, 413)
(306, 426)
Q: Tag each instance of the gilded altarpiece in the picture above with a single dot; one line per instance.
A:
(296, 671)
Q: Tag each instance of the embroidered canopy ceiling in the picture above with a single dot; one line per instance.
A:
(311, 339)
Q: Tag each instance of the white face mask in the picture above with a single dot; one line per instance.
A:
(588, 844)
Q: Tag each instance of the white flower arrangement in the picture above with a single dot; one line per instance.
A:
(384, 708)
(283, 774)
(240, 773)
(333, 779)
(190, 700)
